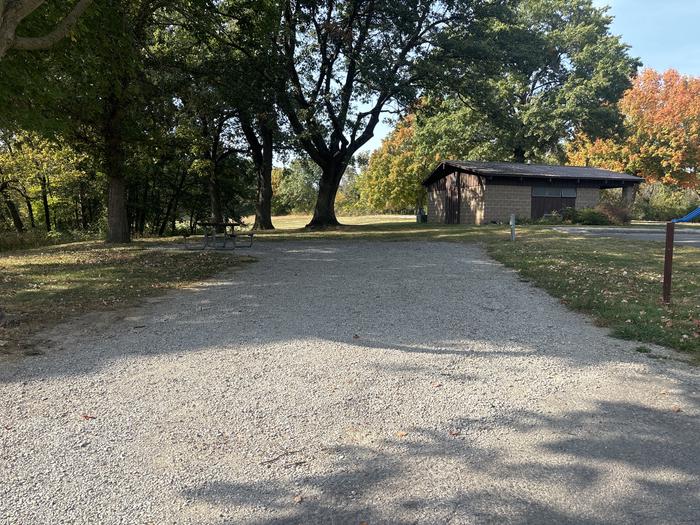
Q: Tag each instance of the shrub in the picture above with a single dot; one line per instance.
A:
(659, 202)
(591, 217)
(569, 214)
(615, 213)
(551, 218)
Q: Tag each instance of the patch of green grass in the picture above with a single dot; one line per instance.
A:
(43, 286)
(615, 280)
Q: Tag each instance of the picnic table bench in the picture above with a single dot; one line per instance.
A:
(214, 230)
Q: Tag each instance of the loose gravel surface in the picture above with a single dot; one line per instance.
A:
(684, 236)
(337, 382)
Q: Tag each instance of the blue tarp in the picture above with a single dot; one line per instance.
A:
(691, 216)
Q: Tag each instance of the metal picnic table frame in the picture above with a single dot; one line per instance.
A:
(211, 233)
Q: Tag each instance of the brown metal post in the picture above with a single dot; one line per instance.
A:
(668, 262)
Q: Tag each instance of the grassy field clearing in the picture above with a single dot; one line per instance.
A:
(616, 281)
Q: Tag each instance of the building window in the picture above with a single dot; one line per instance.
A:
(553, 191)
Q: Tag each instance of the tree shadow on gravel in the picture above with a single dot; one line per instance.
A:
(610, 462)
(585, 468)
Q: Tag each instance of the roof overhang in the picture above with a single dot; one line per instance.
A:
(521, 173)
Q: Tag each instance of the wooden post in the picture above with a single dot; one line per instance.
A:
(668, 262)
(512, 226)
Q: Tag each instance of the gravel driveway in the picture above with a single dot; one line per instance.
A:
(684, 235)
(336, 382)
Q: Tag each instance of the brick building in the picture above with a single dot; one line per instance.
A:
(468, 192)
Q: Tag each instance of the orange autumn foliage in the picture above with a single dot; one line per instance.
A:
(662, 144)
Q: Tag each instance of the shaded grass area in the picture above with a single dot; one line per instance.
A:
(41, 287)
(34, 238)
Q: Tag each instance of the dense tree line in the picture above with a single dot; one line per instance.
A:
(154, 114)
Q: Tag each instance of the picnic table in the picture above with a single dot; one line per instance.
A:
(212, 230)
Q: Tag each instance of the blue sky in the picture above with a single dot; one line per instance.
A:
(663, 34)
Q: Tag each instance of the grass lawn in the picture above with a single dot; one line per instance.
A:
(617, 281)
(42, 286)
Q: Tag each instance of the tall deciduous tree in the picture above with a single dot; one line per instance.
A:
(662, 136)
(568, 71)
(343, 63)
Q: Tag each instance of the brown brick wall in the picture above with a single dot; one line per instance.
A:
(587, 197)
(502, 200)
(495, 202)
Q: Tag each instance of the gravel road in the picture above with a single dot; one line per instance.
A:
(337, 382)
(684, 235)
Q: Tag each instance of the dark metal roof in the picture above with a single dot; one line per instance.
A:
(536, 171)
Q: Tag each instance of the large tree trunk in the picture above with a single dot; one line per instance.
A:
(45, 202)
(263, 204)
(324, 211)
(117, 219)
(14, 213)
(114, 155)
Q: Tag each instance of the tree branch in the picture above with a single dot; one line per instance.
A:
(59, 33)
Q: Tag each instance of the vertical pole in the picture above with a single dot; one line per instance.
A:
(512, 226)
(668, 262)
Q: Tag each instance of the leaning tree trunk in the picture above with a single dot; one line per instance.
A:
(324, 211)
(14, 213)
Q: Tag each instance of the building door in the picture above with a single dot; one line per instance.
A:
(548, 199)
(452, 198)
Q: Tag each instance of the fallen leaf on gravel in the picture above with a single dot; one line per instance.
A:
(676, 408)
(401, 434)
(298, 498)
(8, 427)
(663, 392)
(88, 416)
(437, 385)
(455, 433)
